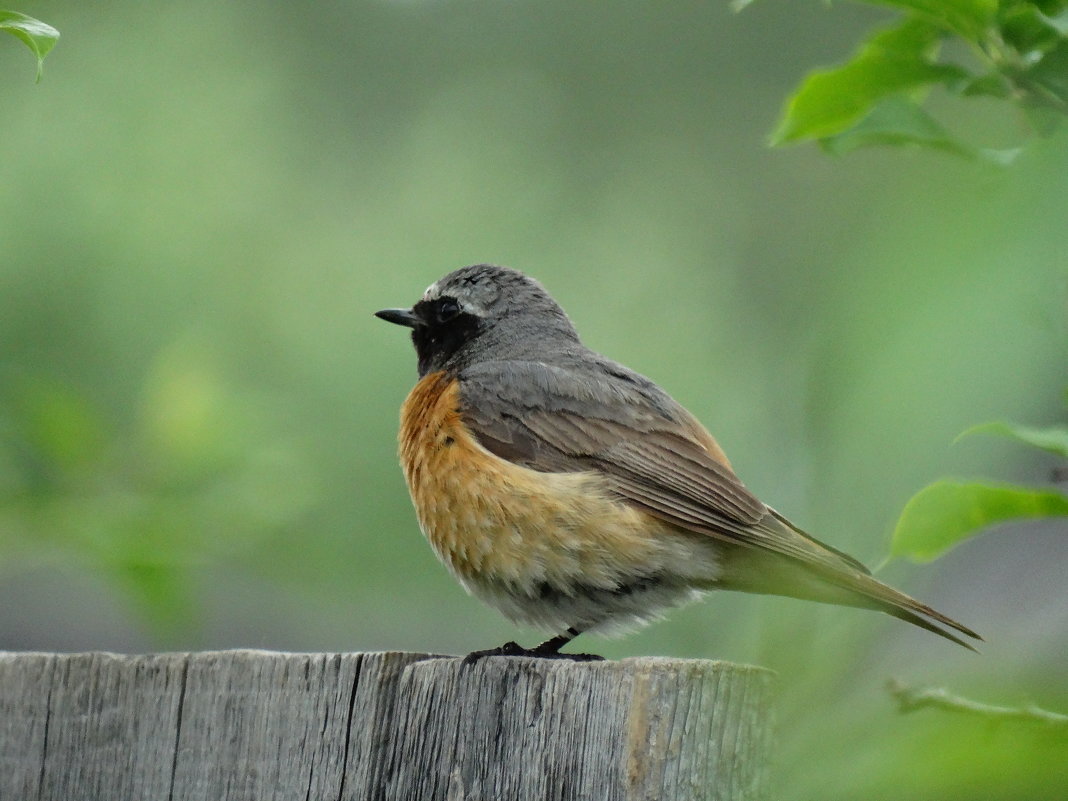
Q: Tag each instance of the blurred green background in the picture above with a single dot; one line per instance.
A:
(202, 203)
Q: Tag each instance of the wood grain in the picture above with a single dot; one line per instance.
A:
(237, 725)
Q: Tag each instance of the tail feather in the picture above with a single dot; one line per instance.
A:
(923, 623)
(830, 576)
(866, 591)
(886, 599)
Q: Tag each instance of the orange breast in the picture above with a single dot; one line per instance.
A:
(493, 521)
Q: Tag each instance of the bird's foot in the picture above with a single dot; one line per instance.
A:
(540, 652)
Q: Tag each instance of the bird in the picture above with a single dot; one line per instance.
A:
(573, 494)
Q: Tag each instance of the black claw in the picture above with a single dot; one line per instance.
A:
(573, 657)
(508, 649)
(514, 649)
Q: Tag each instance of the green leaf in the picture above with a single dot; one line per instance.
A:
(1054, 440)
(40, 37)
(969, 18)
(993, 84)
(1027, 29)
(1050, 8)
(1048, 78)
(946, 513)
(897, 120)
(1054, 13)
(892, 62)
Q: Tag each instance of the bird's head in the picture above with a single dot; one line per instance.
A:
(482, 312)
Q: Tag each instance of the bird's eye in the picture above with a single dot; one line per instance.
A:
(447, 309)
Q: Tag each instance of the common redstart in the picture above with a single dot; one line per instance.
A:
(575, 495)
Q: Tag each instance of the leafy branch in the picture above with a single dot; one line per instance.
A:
(39, 36)
(1015, 51)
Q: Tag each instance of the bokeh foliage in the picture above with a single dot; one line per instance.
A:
(203, 204)
(1014, 52)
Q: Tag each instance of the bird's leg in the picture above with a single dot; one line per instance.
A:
(550, 649)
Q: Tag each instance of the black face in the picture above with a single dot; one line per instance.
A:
(437, 312)
(441, 330)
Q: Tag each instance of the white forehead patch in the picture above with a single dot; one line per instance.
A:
(473, 302)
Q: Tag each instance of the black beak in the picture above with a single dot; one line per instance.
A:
(399, 317)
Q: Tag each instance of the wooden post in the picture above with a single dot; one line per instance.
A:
(237, 725)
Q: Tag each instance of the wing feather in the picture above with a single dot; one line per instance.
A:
(596, 415)
(655, 455)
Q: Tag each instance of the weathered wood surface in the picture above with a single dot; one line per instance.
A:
(237, 725)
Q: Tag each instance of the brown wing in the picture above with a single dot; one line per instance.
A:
(600, 416)
(654, 453)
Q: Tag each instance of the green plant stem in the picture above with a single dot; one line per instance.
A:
(909, 699)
